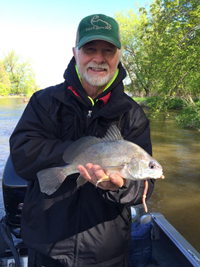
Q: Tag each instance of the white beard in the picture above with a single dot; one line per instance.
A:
(95, 79)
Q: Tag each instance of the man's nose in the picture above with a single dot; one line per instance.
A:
(99, 57)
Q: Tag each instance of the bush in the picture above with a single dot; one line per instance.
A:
(4, 89)
(190, 116)
(154, 101)
(176, 103)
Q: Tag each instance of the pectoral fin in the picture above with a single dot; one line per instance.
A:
(80, 181)
(104, 179)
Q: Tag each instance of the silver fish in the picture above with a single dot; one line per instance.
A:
(111, 152)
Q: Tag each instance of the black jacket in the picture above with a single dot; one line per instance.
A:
(86, 226)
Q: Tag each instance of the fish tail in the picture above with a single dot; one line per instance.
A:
(51, 179)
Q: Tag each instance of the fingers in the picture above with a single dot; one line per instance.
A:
(117, 180)
(84, 171)
(93, 173)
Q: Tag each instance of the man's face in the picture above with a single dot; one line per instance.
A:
(97, 62)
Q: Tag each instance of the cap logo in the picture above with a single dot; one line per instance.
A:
(98, 23)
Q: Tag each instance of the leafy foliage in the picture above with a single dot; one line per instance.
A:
(190, 116)
(4, 80)
(174, 103)
(162, 51)
(16, 76)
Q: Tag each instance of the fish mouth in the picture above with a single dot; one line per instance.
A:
(157, 176)
(160, 176)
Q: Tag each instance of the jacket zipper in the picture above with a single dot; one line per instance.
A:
(89, 115)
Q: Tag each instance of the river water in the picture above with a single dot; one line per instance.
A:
(177, 197)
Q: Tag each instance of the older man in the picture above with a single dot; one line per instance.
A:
(84, 226)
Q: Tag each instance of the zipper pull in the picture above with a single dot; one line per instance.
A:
(89, 114)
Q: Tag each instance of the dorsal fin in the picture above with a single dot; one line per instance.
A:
(78, 147)
(112, 134)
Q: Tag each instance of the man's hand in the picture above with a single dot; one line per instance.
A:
(93, 173)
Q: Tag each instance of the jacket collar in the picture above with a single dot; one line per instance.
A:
(73, 87)
(104, 99)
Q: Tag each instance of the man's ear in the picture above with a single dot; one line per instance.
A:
(74, 52)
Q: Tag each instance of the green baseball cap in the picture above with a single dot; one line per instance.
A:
(98, 27)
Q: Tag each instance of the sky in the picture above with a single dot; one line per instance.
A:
(44, 31)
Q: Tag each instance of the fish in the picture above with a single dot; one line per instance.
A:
(112, 152)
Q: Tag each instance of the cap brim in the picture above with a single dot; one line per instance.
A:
(109, 39)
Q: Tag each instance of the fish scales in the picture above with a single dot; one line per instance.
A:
(110, 152)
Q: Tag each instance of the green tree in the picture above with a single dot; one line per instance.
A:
(162, 52)
(21, 75)
(135, 51)
(4, 81)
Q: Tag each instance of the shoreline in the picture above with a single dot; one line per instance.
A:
(24, 99)
(12, 96)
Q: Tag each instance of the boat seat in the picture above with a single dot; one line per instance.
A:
(14, 190)
(10, 178)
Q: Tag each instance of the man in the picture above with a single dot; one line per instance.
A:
(85, 226)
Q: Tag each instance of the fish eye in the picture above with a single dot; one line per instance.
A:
(152, 165)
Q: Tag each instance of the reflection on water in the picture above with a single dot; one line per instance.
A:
(177, 197)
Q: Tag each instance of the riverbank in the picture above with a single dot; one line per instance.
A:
(24, 99)
(189, 109)
(10, 96)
